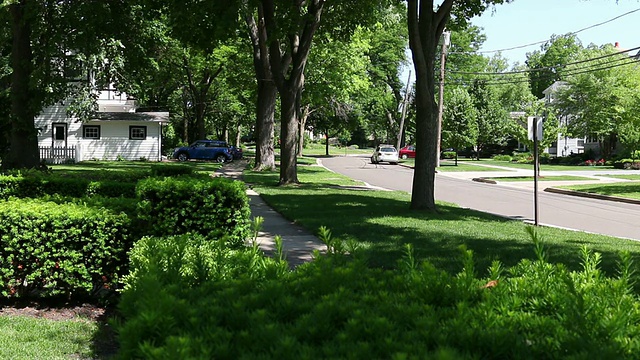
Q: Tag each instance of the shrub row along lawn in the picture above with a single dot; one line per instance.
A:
(396, 284)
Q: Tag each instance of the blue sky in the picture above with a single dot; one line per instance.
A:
(527, 21)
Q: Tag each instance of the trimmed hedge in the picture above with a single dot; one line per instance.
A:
(216, 208)
(171, 170)
(627, 164)
(60, 249)
(35, 185)
(185, 299)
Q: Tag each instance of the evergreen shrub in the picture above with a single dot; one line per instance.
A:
(216, 208)
(184, 300)
(34, 185)
(60, 249)
(507, 158)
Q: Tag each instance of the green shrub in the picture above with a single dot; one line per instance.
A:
(178, 303)
(53, 249)
(502, 158)
(33, 185)
(171, 170)
(215, 208)
(449, 155)
(174, 275)
(627, 164)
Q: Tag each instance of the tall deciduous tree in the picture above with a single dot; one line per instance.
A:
(547, 65)
(460, 121)
(426, 21)
(492, 118)
(288, 30)
(600, 96)
(51, 41)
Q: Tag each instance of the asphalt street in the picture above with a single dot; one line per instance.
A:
(515, 200)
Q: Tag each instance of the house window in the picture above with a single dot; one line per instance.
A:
(580, 142)
(59, 131)
(137, 132)
(91, 131)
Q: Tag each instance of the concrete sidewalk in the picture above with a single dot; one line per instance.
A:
(298, 243)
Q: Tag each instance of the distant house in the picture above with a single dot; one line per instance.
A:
(117, 131)
(564, 145)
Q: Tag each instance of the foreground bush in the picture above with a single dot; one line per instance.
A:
(52, 249)
(216, 208)
(186, 298)
(36, 184)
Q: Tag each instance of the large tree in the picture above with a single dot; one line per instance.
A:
(600, 95)
(427, 21)
(285, 30)
(460, 121)
(547, 65)
(52, 42)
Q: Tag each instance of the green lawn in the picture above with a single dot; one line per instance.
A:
(634, 177)
(450, 166)
(24, 337)
(630, 190)
(544, 167)
(543, 178)
(381, 223)
(317, 149)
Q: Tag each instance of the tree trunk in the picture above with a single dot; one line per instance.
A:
(265, 155)
(301, 128)
(326, 142)
(425, 28)
(238, 135)
(288, 135)
(23, 149)
(267, 91)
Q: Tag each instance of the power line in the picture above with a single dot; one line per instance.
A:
(544, 41)
(572, 72)
(543, 68)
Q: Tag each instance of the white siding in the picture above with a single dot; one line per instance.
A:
(114, 141)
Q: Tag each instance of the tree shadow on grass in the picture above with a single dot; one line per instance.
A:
(382, 223)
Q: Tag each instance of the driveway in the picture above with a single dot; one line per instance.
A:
(513, 200)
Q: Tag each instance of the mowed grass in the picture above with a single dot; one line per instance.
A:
(543, 178)
(633, 177)
(543, 167)
(23, 337)
(381, 223)
(450, 166)
(629, 190)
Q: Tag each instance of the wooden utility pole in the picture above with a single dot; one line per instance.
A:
(446, 36)
(404, 112)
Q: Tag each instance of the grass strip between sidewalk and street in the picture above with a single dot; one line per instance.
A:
(629, 190)
(542, 178)
(381, 223)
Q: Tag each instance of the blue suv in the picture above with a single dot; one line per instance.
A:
(215, 150)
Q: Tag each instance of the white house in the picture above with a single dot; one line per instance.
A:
(117, 131)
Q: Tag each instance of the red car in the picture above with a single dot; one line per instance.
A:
(408, 151)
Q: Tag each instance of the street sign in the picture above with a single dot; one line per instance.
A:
(534, 123)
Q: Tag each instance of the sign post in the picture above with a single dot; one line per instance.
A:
(534, 125)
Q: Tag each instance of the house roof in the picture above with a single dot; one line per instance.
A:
(555, 86)
(156, 116)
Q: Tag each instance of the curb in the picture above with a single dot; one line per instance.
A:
(484, 180)
(592, 196)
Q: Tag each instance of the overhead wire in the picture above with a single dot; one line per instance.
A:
(547, 40)
(570, 72)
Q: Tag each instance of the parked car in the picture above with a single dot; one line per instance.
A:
(407, 152)
(236, 152)
(385, 153)
(215, 150)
